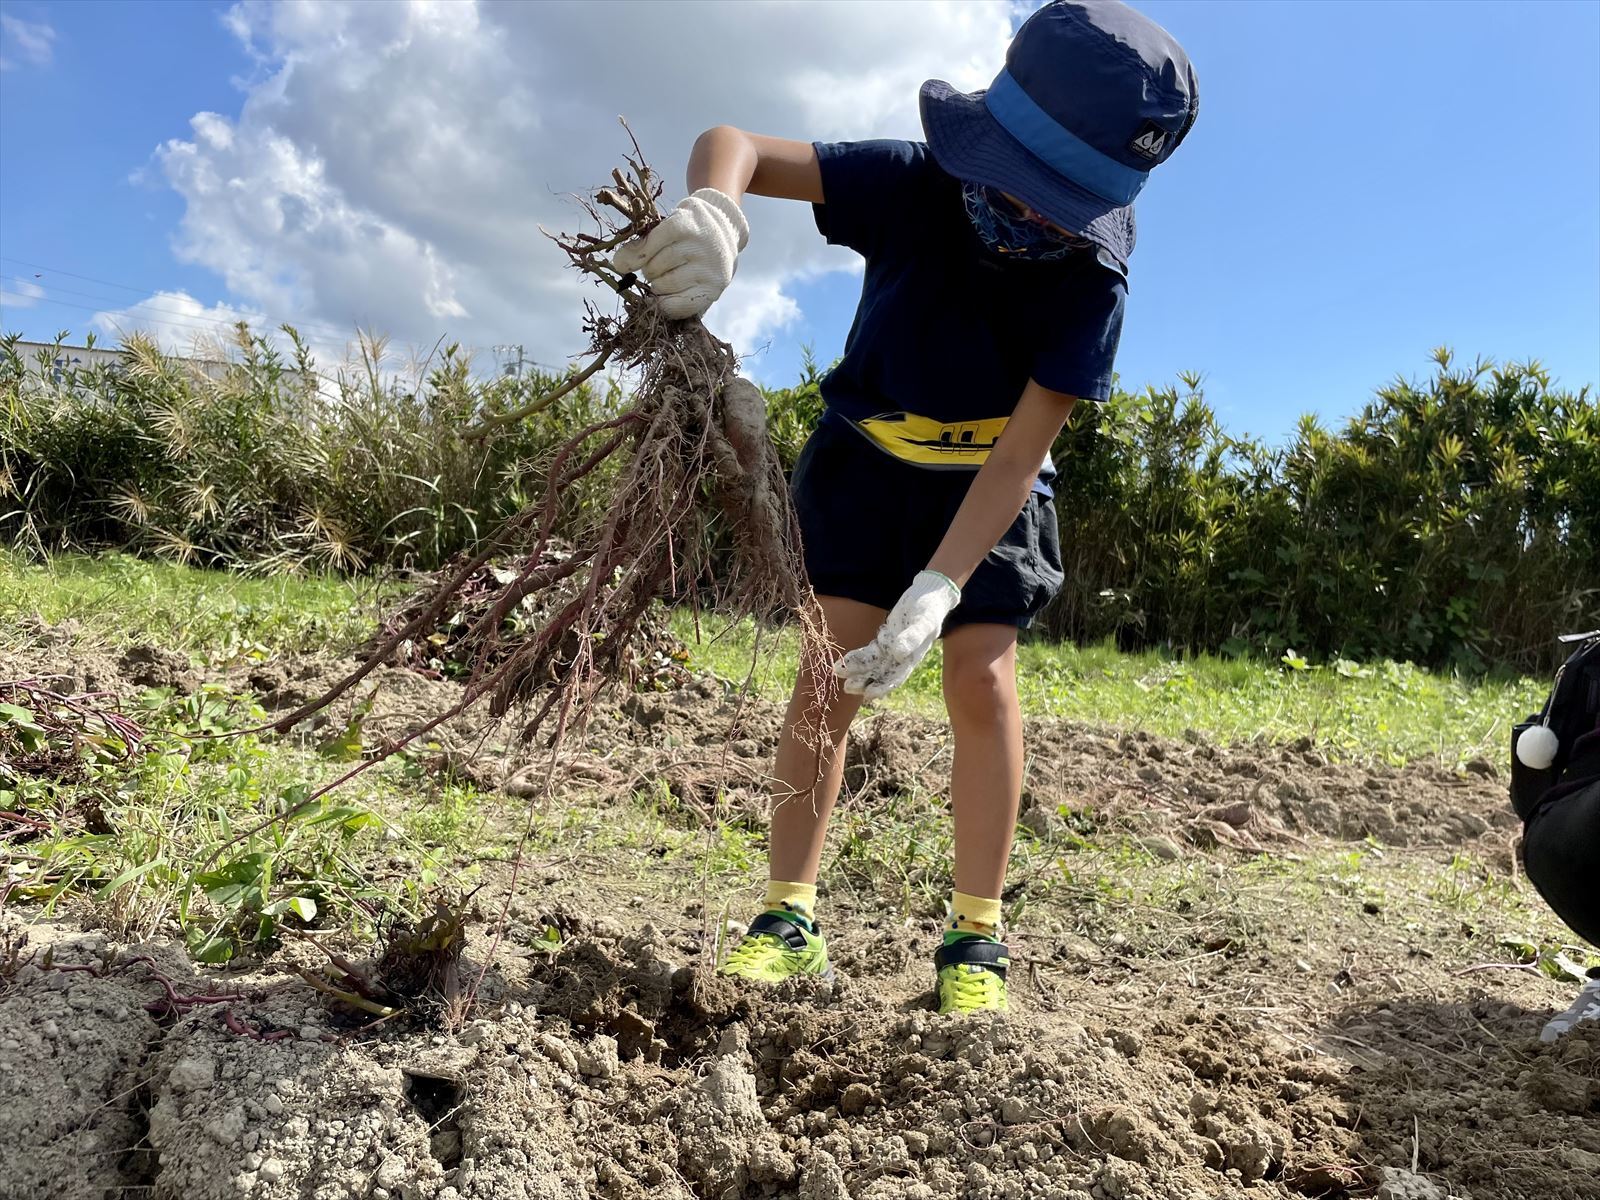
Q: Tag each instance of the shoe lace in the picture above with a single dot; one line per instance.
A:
(968, 988)
(756, 950)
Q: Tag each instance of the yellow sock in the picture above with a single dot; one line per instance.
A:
(798, 898)
(974, 914)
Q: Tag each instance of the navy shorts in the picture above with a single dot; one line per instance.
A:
(870, 522)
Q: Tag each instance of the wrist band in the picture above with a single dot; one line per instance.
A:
(954, 587)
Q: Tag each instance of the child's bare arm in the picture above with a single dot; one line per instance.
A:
(735, 162)
(1002, 483)
(689, 258)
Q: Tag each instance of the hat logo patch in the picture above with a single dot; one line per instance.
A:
(1150, 141)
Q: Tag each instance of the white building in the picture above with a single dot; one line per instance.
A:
(47, 357)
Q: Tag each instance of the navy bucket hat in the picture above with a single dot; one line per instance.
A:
(1093, 95)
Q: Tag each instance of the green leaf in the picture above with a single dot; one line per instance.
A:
(1526, 952)
(303, 907)
(346, 747)
(1564, 966)
(234, 885)
(15, 714)
(129, 876)
(352, 818)
(210, 948)
(29, 732)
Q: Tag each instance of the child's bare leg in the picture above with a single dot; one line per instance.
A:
(980, 694)
(807, 777)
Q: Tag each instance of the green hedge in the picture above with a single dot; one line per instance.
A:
(273, 464)
(1453, 521)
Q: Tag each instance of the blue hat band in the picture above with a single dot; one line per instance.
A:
(1059, 148)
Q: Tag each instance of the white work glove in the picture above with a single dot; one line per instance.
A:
(887, 661)
(689, 258)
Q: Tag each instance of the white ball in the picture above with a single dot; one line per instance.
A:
(1537, 747)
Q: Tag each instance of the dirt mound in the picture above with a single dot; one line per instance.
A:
(612, 1069)
(390, 704)
(1248, 797)
(1519, 1117)
(54, 657)
(70, 1055)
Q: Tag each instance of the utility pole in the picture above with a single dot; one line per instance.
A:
(509, 368)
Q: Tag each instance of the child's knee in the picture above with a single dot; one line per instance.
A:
(979, 687)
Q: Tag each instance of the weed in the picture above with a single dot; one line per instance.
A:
(181, 833)
(1467, 886)
(277, 465)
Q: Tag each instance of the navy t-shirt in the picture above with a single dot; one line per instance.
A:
(948, 333)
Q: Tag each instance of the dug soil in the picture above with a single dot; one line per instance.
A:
(1236, 972)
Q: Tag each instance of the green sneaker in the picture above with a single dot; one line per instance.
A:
(775, 949)
(972, 975)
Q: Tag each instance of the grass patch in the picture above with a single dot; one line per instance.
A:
(181, 818)
(116, 599)
(1385, 712)
(1380, 712)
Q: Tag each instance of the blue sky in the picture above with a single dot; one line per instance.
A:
(76, 131)
(1366, 181)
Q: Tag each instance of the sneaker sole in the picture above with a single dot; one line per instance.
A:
(826, 976)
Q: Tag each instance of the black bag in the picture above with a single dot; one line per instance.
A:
(1572, 710)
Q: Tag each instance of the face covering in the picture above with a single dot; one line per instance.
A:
(1007, 232)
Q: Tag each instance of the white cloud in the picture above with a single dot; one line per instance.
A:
(23, 293)
(180, 323)
(391, 164)
(32, 42)
(751, 311)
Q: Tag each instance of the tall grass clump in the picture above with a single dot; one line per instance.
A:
(270, 462)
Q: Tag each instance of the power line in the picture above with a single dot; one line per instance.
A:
(191, 321)
(145, 291)
(21, 262)
(203, 326)
(319, 373)
(332, 336)
(144, 306)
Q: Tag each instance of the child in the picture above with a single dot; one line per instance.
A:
(996, 264)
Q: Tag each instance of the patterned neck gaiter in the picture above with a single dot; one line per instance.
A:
(1008, 233)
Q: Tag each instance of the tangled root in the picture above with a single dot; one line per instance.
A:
(692, 451)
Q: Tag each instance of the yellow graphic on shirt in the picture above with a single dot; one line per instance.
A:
(927, 442)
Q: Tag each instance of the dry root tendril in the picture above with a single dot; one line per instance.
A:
(686, 464)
